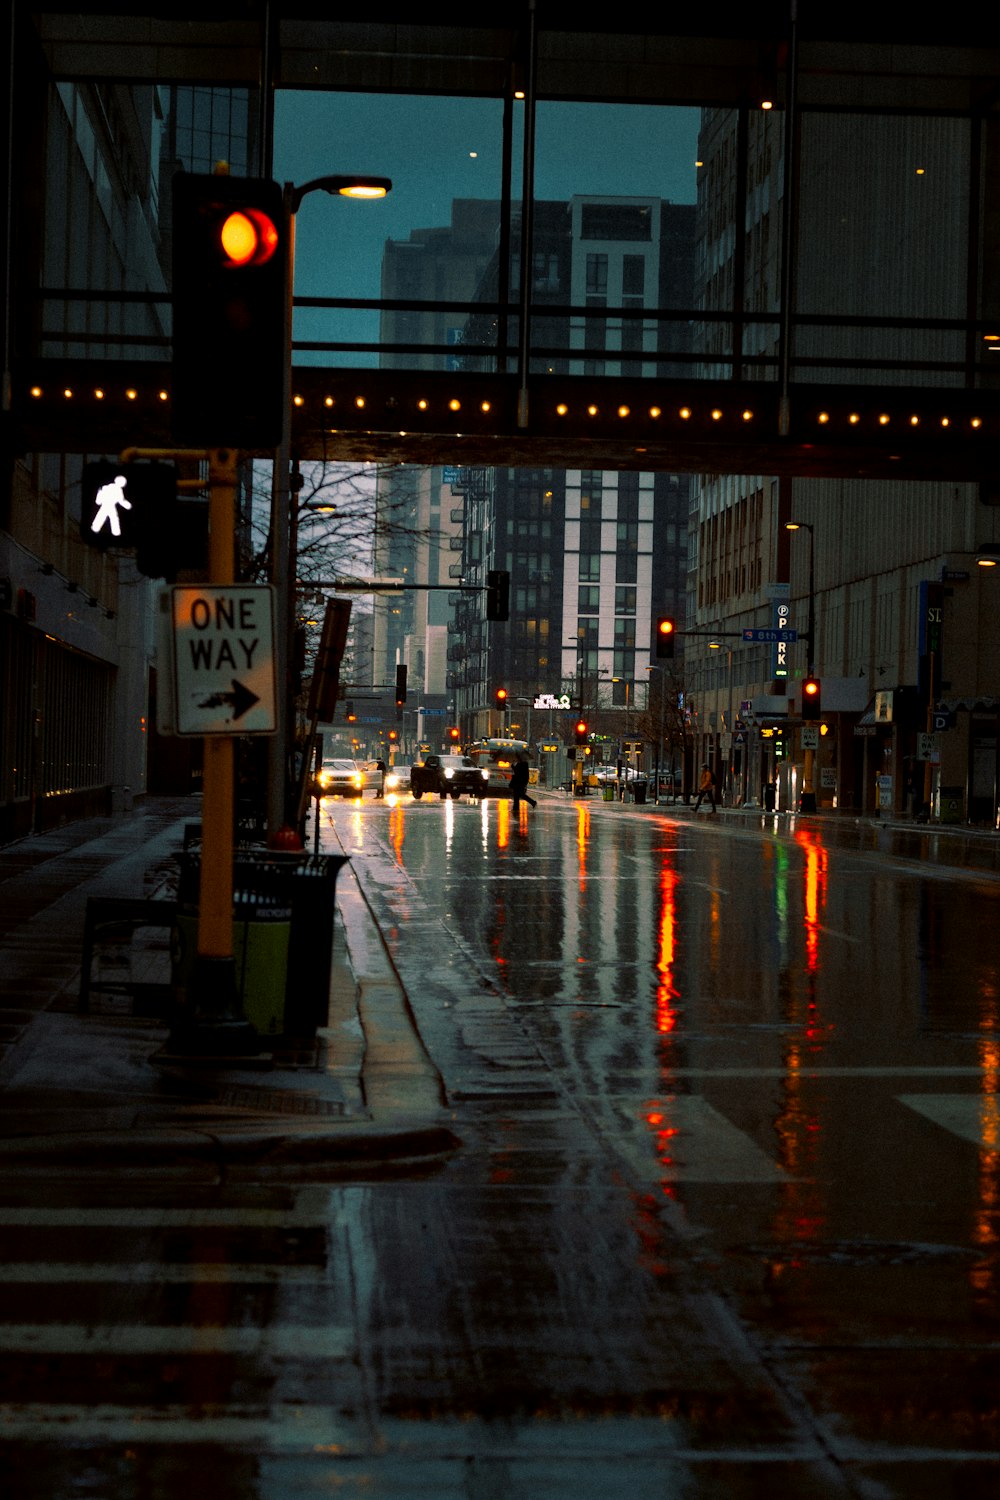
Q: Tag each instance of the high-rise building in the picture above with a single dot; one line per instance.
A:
(868, 558)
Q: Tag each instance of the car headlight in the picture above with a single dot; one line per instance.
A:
(391, 779)
(484, 773)
(358, 781)
(449, 773)
(323, 778)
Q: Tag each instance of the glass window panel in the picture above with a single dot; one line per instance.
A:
(864, 178)
(431, 239)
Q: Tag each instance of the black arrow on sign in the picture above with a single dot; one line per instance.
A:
(241, 699)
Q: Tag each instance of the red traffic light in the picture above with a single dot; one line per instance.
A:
(454, 734)
(666, 628)
(248, 237)
(810, 687)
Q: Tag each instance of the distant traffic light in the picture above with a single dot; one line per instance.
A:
(812, 706)
(497, 595)
(666, 629)
(581, 730)
(501, 699)
(230, 264)
(349, 712)
(400, 686)
(454, 733)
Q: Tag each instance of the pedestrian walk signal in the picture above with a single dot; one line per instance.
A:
(666, 629)
(134, 507)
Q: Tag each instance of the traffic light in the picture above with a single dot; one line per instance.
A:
(454, 734)
(135, 506)
(812, 707)
(501, 699)
(497, 596)
(230, 274)
(400, 686)
(351, 716)
(580, 730)
(666, 629)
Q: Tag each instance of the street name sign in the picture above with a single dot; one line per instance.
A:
(223, 651)
(770, 634)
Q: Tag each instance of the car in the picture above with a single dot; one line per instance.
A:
(340, 778)
(460, 774)
(397, 778)
(448, 776)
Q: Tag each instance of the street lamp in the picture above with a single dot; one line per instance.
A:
(807, 801)
(282, 561)
(717, 646)
(659, 743)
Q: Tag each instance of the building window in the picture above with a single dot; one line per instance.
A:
(597, 275)
(589, 600)
(616, 221)
(625, 601)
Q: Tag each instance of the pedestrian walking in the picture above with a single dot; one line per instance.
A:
(381, 768)
(519, 782)
(706, 787)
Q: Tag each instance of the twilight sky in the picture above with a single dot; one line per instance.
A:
(437, 149)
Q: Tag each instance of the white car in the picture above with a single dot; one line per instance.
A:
(340, 778)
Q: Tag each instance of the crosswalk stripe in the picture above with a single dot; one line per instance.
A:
(972, 1117)
(292, 1217)
(146, 1272)
(284, 1340)
(294, 1427)
(695, 1143)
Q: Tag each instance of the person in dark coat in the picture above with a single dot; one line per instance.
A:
(519, 782)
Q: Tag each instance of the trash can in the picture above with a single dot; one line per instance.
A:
(283, 913)
(951, 804)
(639, 791)
(609, 794)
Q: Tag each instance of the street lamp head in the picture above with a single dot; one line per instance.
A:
(798, 526)
(343, 186)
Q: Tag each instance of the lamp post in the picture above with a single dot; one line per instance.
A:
(282, 495)
(659, 743)
(807, 801)
(717, 646)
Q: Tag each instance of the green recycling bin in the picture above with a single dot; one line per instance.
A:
(283, 916)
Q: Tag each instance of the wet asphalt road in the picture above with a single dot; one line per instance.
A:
(724, 1222)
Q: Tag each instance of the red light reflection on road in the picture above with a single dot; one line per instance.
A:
(666, 992)
(663, 1130)
(397, 831)
(814, 891)
(503, 822)
(582, 836)
(986, 1222)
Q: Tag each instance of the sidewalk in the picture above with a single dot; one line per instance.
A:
(90, 1091)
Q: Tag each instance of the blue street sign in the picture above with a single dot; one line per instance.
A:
(770, 635)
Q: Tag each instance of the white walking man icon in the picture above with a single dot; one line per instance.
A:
(109, 498)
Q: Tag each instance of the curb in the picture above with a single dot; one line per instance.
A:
(237, 1144)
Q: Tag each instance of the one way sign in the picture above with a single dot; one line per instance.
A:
(223, 650)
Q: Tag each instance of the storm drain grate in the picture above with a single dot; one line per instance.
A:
(279, 1101)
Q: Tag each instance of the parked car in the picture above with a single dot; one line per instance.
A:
(340, 778)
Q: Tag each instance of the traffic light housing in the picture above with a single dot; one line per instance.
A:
(400, 686)
(454, 734)
(812, 706)
(580, 731)
(497, 595)
(349, 713)
(501, 699)
(666, 629)
(230, 290)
